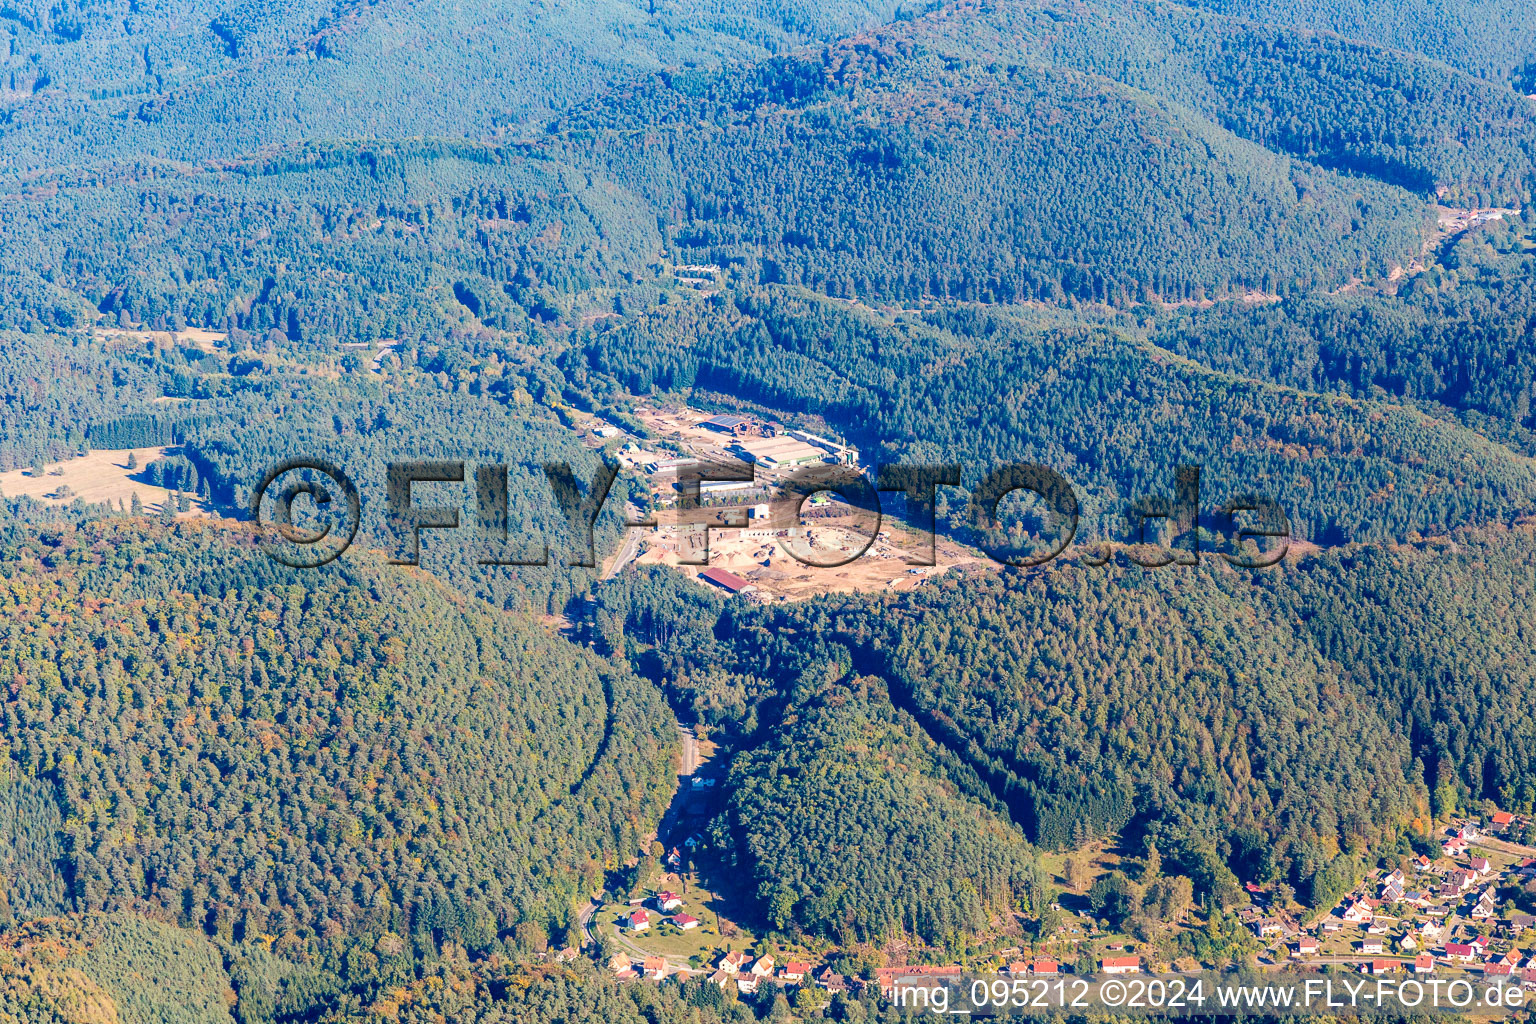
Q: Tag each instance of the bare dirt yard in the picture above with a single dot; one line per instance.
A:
(761, 557)
(96, 477)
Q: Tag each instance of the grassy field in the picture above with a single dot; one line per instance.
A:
(95, 477)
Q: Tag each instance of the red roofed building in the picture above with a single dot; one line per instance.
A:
(1383, 966)
(1044, 966)
(685, 921)
(1423, 964)
(1459, 951)
(796, 971)
(639, 921)
(1122, 965)
(1502, 817)
(1019, 967)
(655, 968)
(725, 580)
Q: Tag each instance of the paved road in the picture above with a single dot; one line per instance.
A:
(690, 750)
(631, 545)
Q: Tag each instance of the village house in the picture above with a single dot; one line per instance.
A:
(1502, 818)
(666, 902)
(1267, 926)
(1018, 967)
(1423, 964)
(1122, 965)
(619, 963)
(1460, 952)
(763, 968)
(746, 984)
(639, 921)
(795, 971)
(1408, 943)
(1519, 923)
(685, 921)
(732, 963)
(1453, 847)
(720, 979)
(1481, 865)
(1044, 965)
(888, 978)
(655, 968)
(1332, 924)
(1383, 966)
(1305, 946)
(830, 980)
(1479, 943)
(1486, 906)
(1422, 863)
(1497, 971)
(1370, 946)
(1358, 913)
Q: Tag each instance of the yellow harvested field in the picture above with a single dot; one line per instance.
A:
(95, 477)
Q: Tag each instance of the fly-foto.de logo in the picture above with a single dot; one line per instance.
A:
(307, 511)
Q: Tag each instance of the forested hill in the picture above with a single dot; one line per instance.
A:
(916, 174)
(1345, 104)
(250, 750)
(1110, 411)
(1286, 725)
(1495, 39)
(190, 80)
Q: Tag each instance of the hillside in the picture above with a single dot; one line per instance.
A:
(1110, 412)
(1348, 105)
(1495, 39)
(111, 969)
(848, 825)
(249, 750)
(916, 174)
(186, 81)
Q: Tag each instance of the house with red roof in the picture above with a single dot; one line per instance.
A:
(639, 921)
(1502, 818)
(1461, 951)
(666, 902)
(685, 921)
(655, 968)
(1423, 964)
(1045, 965)
(796, 971)
(1122, 965)
(1383, 966)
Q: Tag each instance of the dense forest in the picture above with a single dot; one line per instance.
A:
(919, 174)
(1309, 705)
(258, 751)
(1115, 237)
